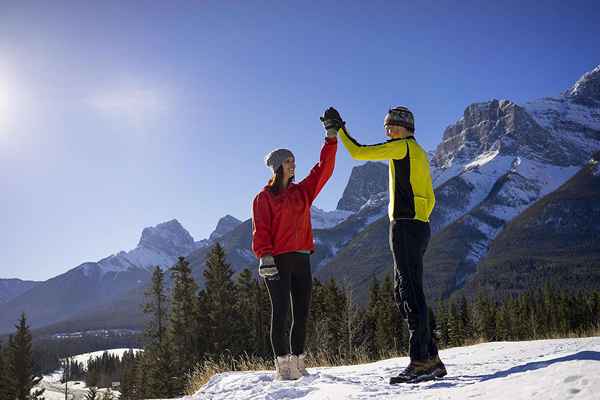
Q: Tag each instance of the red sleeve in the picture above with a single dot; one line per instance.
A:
(261, 226)
(322, 171)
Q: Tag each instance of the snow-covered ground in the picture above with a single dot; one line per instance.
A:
(545, 369)
(55, 390)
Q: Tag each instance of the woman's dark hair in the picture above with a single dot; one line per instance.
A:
(276, 182)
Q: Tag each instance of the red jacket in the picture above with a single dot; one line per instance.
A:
(281, 223)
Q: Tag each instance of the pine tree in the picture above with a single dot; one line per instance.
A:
(466, 319)
(370, 326)
(162, 374)
(156, 309)
(9, 378)
(442, 323)
(222, 299)
(4, 384)
(334, 302)
(248, 310)
(92, 393)
(455, 326)
(21, 364)
(388, 330)
(183, 320)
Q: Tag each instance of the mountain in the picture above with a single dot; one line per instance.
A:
(94, 283)
(493, 163)
(224, 226)
(365, 180)
(11, 288)
(556, 240)
(543, 369)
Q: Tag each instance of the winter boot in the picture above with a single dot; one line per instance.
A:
(301, 366)
(287, 369)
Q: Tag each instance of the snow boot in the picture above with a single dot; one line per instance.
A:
(420, 371)
(287, 368)
(301, 366)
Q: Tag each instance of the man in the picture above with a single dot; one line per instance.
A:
(411, 203)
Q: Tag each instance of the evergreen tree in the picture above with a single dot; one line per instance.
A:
(442, 323)
(21, 364)
(9, 378)
(5, 393)
(163, 376)
(248, 309)
(485, 317)
(92, 393)
(222, 305)
(335, 305)
(388, 325)
(455, 326)
(370, 325)
(183, 320)
(466, 319)
(156, 309)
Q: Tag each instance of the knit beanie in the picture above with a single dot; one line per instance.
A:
(275, 158)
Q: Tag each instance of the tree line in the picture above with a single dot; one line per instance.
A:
(231, 318)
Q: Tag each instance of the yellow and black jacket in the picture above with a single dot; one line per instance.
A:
(411, 191)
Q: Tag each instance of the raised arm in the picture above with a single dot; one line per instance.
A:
(322, 171)
(262, 242)
(390, 150)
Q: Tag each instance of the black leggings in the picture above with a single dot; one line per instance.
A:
(295, 279)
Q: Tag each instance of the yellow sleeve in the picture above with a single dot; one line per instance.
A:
(390, 150)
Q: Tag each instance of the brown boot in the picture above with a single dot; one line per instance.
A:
(419, 371)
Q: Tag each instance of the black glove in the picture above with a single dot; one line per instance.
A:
(332, 119)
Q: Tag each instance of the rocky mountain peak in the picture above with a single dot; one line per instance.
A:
(224, 226)
(365, 181)
(167, 237)
(587, 89)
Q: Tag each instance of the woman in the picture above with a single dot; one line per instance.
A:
(282, 241)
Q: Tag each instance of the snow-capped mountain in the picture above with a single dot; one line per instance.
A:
(507, 157)
(158, 245)
(493, 163)
(543, 369)
(365, 181)
(93, 284)
(558, 237)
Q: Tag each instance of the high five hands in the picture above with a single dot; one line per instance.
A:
(332, 121)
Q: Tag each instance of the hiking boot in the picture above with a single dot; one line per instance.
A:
(287, 368)
(420, 371)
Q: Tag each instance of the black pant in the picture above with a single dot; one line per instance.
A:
(295, 279)
(408, 241)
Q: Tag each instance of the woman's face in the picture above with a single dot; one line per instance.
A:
(289, 168)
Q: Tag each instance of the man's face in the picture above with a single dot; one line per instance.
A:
(396, 132)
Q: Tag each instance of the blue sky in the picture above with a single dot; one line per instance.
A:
(120, 115)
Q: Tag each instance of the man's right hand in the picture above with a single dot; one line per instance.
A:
(267, 268)
(332, 119)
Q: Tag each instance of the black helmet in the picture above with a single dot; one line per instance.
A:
(400, 116)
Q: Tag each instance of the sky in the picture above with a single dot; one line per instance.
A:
(118, 115)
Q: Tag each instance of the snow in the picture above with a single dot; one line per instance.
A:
(321, 219)
(482, 159)
(83, 358)
(55, 390)
(545, 369)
